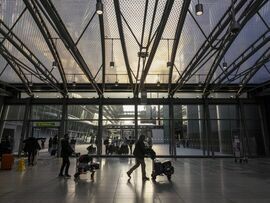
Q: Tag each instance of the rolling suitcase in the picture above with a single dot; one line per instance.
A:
(7, 161)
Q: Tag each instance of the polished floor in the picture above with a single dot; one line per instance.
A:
(195, 180)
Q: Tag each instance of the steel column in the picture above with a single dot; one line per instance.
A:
(100, 130)
(27, 115)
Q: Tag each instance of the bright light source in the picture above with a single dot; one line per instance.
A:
(99, 8)
(199, 9)
(112, 64)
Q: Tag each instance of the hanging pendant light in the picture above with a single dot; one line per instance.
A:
(199, 8)
(112, 61)
(99, 7)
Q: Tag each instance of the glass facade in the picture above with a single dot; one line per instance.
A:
(189, 131)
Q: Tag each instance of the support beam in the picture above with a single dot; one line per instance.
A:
(207, 45)
(246, 15)
(19, 73)
(161, 27)
(68, 41)
(177, 36)
(244, 56)
(141, 47)
(265, 58)
(22, 66)
(103, 52)
(35, 13)
(122, 39)
(27, 53)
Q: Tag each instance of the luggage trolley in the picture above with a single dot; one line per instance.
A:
(84, 163)
(160, 168)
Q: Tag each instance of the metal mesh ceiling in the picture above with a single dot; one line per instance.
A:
(74, 23)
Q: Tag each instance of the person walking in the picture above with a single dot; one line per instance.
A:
(31, 147)
(66, 151)
(139, 153)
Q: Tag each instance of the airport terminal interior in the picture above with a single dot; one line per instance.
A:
(192, 76)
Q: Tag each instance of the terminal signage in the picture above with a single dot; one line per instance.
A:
(46, 124)
(132, 127)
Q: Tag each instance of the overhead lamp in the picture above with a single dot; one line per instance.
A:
(99, 8)
(30, 83)
(225, 65)
(158, 83)
(74, 81)
(54, 64)
(116, 83)
(199, 8)
(112, 61)
(235, 27)
(112, 64)
(169, 63)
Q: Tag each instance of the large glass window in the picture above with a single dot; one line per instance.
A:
(225, 125)
(118, 130)
(82, 125)
(46, 112)
(188, 128)
(153, 122)
(253, 130)
(12, 125)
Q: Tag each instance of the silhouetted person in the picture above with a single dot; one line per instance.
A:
(50, 144)
(43, 143)
(106, 143)
(31, 147)
(139, 153)
(66, 151)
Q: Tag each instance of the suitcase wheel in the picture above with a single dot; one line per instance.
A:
(169, 177)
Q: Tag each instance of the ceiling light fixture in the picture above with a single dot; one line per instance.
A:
(74, 82)
(30, 83)
(199, 8)
(116, 81)
(112, 61)
(54, 64)
(225, 65)
(99, 7)
(169, 63)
